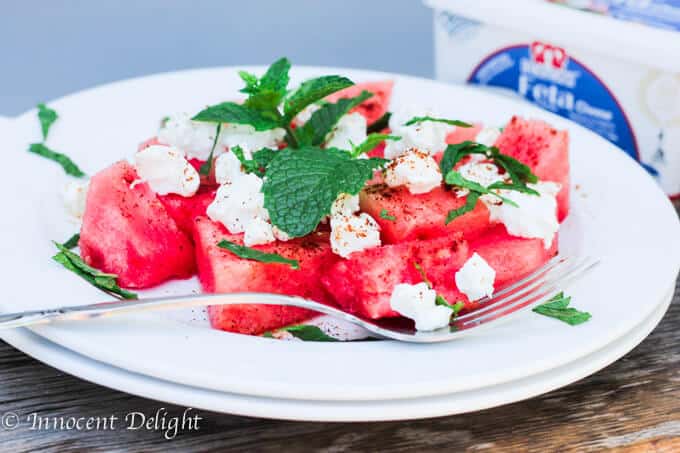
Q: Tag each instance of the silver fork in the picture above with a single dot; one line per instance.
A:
(504, 305)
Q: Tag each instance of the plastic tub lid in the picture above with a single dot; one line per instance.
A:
(630, 41)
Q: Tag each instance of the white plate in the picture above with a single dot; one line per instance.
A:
(619, 215)
(335, 411)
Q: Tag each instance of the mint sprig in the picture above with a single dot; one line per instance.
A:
(470, 203)
(72, 242)
(322, 121)
(302, 184)
(62, 159)
(380, 124)
(47, 117)
(454, 178)
(371, 142)
(422, 119)
(311, 91)
(267, 92)
(308, 333)
(231, 112)
(207, 165)
(104, 281)
(558, 307)
(256, 255)
(258, 164)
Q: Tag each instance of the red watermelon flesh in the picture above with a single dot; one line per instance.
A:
(375, 107)
(544, 149)
(461, 134)
(127, 231)
(184, 210)
(420, 216)
(220, 271)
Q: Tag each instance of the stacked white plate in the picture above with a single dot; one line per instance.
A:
(618, 214)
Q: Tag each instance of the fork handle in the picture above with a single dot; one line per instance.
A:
(99, 310)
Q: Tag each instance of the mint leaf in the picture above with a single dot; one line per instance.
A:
(384, 214)
(516, 187)
(469, 205)
(311, 91)
(47, 117)
(371, 142)
(322, 121)
(105, 282)
(207, 165)
(454, 153)
(72, 242)
(302, 184)
(558, 307)
(308, 333)
(66, 163)
(258, 164)
(231, 112)
(256, 255)
(421, 119)
(456, 179)
(267, 92)
(380, 124)
(520, 174)
(439, 299)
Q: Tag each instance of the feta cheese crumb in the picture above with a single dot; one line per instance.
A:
(258, 232)
(488, 136)
(238, 203)
(428, 136)
(345, 204)
(484, 173)
(75, 197)
(417, 170)
(249, 139)
(535, 216)
(353, 233)
(166, 170)
(418, 303)
(228, 167)
(280, 235)
(350, 129)
(475, 279)
(195, 138)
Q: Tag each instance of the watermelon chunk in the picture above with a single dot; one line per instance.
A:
(127, 231)
(220, 271)
(544, 149)
(420, 216)
(375, 107)
(184, 210)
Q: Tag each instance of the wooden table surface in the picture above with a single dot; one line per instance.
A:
(633, 406)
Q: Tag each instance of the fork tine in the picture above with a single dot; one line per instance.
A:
(530, 298)
(518, 287)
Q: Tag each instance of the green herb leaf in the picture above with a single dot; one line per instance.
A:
(512, 186)
(47, 117)
(105, 282)
(322, 121)
(421, 119)
(256, 255)
(520, 174)
(311, 91)
(66, 163)
(72, 242)
(371, 142)
(380, 124)
(469, 205)
(439, 299)
(558, 307)
(268, 334)
(384, 214)
(207, 165)
(309, 333)
(231, 112)
(267, 92)
(302, 184)
(456, 179)
(258, 164)
(454, 153)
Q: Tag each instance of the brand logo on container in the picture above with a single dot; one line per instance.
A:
(548, 54)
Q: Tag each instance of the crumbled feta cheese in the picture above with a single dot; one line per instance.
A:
(345, 204)
(238, 203)
(488, 136)
(195, 138)
(535, 216)
(166, 170)
(75, 197)
(350, 129)
(475, 279)
(353, 233)
(280, 235)
(418, 303)
(427, 136)
(228, 167)
(249, 139)
(481, 172)
(258, 232)
(416, 170)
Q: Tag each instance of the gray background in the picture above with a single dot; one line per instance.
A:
(49, 48)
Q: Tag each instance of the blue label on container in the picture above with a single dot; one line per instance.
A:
(545, 75)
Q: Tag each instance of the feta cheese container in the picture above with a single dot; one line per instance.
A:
(620, 79)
